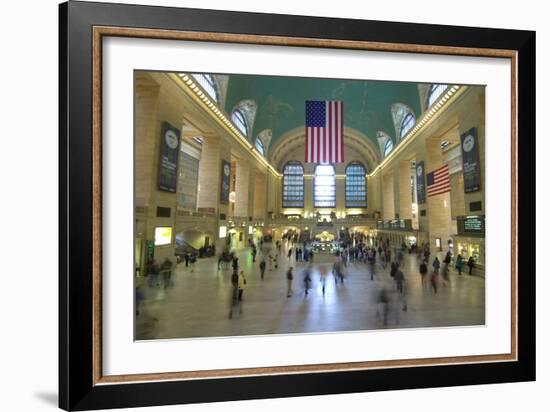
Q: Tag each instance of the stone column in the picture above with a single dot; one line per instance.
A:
(475, 117)
(153, 107)
(457, 195)
(147, 127)
(243, 189)
(210, 175)
(405, 199)
(374, 202)
(260, 202)
(388, 205)
(439, 206)
(273, 193)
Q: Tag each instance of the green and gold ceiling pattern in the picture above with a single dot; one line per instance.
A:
(281, 101)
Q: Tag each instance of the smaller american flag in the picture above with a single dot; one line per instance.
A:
(437, 182)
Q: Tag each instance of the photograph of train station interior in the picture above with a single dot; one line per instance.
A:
(281, 205)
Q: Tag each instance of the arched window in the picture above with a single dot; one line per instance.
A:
(325, 186)
(403, 120)
(259, 146)
(293, 184)
(209, 85)
(356, 185)
(406, 124)
(240, 121)
(434, 92)
(388, 147)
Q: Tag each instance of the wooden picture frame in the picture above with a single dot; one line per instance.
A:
(82, 28)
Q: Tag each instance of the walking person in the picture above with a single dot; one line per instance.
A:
(289, 278)
(400, 257)
(270, 260)
(152, 273)
(234, 292)
(254, 253)
(459, 264)
(307, 279)
(262, 268)
(337, 272)
(427, 254)
(436, 265)
(471, 263)
(289, 254)
(186, 257)
(140, 297)
(193, 260)
(446, 263)
(241, 282)
(393, 269)
(166, 269)
(433, 281)
(323, 272)
(400, 283)
(399, 280)
(423, 272)
(383, 300)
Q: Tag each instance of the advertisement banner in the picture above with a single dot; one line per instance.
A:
(226, 176)
(420, 183)
(470, 161)
(169, 156)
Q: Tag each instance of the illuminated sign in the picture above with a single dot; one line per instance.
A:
(163, 236)
(394, 224)
(471, 225)
(223, 232)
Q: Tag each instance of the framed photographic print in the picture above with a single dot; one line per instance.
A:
(258, 206)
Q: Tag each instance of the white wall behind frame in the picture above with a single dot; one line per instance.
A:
(29, 315)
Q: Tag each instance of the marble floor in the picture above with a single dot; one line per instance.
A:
(198, 302)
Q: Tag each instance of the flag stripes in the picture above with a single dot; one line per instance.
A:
(438, 181)
(324, 132)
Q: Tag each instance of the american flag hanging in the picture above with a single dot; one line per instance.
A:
(437, 182)
(324, 131)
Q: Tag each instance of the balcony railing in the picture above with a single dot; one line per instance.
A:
(314, 221)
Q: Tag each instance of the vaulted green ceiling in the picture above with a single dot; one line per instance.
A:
(281, 101)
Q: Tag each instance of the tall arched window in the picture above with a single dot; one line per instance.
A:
(239, 120)
(406, 124)
(325, 186)
(259, 146)
(209, 85)
(356, 185)
(434, 92)
(293, 184)
(403, 120)
(388, 147)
